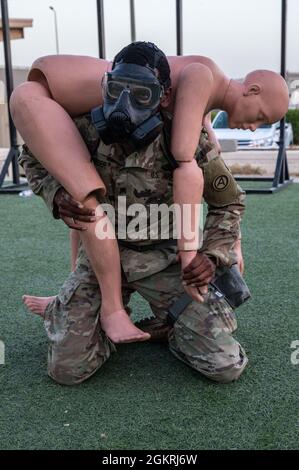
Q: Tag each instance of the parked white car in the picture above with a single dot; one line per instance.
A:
(289, 136)
(265, 136)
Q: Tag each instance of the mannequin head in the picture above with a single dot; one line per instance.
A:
(262, 98)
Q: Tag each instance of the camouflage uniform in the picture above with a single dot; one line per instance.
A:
(202, 336)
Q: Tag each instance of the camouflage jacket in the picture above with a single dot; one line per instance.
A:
(145, 177)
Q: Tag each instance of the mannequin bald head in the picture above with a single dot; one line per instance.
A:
(262, 97)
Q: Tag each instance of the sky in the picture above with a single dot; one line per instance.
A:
(239, 35)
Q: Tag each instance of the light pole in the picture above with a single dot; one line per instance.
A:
(179, 27)
(56, 29)
(132, 18)
(101, 28)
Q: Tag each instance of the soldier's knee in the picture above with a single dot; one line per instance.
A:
(230, 373)
(66, 377)
(74, 361)
(225, 371)
(221, 362)
(73, 374)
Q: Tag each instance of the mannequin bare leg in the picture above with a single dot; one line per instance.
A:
(42, 123)
(114, 320)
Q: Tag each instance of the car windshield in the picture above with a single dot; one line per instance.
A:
(221, 122)
(264, 126)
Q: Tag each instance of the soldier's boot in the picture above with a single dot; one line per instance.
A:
(158, 330)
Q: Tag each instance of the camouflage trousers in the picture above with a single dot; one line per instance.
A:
(201, 337)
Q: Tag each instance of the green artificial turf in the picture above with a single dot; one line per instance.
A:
(143, 397)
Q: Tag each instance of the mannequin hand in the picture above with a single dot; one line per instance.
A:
(71, 210)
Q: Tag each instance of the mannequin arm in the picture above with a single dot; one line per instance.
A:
(192, 95)
(194, 90)
(187, 195)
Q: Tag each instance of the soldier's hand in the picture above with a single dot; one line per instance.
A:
(199, 272)
(72, 211)
(196, 293)
(186, 257)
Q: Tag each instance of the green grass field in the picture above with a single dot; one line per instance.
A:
(143, 397)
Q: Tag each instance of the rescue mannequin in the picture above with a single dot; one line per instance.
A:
(62, 87)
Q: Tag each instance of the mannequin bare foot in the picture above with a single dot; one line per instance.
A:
(37, 305)
(120, 329)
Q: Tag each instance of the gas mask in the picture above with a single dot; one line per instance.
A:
(130, 113)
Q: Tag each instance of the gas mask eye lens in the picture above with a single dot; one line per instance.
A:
(114, 89)
(142, 95)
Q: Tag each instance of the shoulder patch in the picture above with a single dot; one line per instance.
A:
(220, 183)
(220, 187)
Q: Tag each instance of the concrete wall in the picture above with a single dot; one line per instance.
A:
(19, 75)
(4, 130)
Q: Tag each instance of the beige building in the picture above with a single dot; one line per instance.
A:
(19, 76)
(16, 27)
